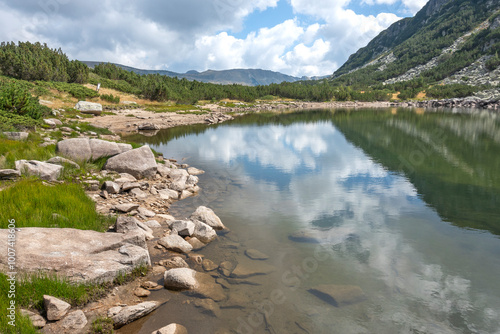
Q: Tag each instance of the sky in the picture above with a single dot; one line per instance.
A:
(295, 37)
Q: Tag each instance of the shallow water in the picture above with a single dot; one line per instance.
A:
(404, 204)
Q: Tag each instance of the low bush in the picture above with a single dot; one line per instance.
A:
(110, 98)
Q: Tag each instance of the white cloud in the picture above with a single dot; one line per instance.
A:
(180, 35)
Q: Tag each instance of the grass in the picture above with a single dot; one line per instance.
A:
(102, 325)
(30, 289)
(14, 150)
(170, 107)
(34, 204)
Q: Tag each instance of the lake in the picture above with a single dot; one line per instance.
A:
(396, 212)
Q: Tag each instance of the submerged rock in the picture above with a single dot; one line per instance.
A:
(338, 295)
(249, 268)
(304, 236)
(256, 255)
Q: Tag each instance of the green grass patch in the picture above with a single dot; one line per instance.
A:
(86, 127)
(34, 204)
(32, 287)
(110, 98)
(170, 107)
(102, 325)
(14, 150)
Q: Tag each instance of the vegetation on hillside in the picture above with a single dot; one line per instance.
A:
(417, 40)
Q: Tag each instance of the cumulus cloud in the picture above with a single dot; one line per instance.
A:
(180, 35)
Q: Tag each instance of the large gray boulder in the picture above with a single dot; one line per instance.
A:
(79, 255)
(103, 148)
(122, 315)
(83, 149)
(44, 170)
(77, 149)
(180, 279)
(175, 243)
(171, 329)
(89, 107)
(56, 309)
(139, 163)
(208, 216)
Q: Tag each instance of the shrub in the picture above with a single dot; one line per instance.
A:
(110, 98)
(18, 100)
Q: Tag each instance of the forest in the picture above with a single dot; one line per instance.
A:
(29, 70)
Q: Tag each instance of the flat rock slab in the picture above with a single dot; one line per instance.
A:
(248, 268)
(339, 295)
(122, 315)
(79, 255)
(304, 236)
(256, 254)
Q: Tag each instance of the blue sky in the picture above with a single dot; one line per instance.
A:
(296, 37)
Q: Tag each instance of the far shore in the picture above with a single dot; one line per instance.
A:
(128, 121)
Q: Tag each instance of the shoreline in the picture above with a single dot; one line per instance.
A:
(129, 121)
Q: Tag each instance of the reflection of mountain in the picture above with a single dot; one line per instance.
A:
(452, 160)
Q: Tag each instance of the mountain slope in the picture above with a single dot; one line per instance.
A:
(248, 77)
(444, 37)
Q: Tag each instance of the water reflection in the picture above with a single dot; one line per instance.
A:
(375, 187)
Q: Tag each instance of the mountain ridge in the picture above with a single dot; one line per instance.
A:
(443, 38)
(248, 77)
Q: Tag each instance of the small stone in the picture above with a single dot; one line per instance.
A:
(56, 309)
(36, 319)
(140, 292)
(174, 262)
(111, 187)
(151, 223)
(150, 285)
(130, 185)
(209, 265)
(126, 207)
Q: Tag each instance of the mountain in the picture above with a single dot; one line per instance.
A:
(452, 40)
(247, 77)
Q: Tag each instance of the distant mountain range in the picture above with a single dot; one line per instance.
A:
(449, 41)
(248, 77)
